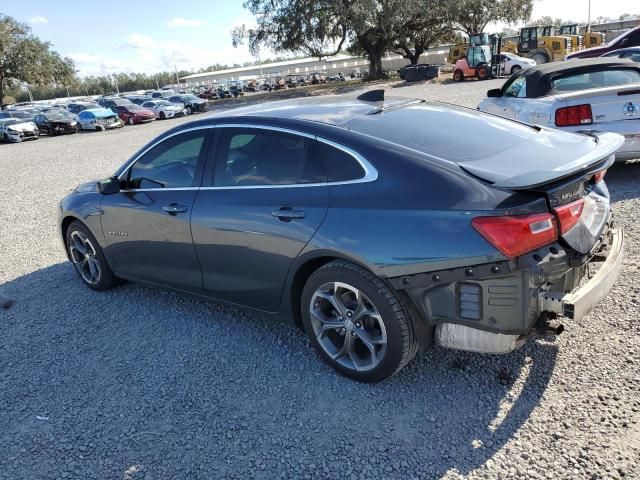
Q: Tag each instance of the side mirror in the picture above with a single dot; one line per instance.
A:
(109, 186)
(494, 92)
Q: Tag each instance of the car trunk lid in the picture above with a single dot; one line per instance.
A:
(552, 156)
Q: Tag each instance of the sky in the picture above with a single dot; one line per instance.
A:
(151, 36)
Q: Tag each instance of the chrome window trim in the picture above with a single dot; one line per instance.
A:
(371, 174)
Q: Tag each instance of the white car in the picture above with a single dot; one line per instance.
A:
(592, 95)
(510, 63)
(16, 130)
(165, 109)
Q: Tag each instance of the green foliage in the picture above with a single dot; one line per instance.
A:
(24, 58)
(472, 16)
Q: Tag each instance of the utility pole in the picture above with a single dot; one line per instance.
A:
(589, 18)
(115, 80)
(175, 69)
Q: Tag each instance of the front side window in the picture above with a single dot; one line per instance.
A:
(170, 164)
(251, 156)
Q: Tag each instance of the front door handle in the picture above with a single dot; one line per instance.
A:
(286, 214)
(174, 209)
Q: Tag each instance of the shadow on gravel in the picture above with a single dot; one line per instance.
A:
(623, 179)
(96, 385)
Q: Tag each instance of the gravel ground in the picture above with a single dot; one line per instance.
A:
(141, 383)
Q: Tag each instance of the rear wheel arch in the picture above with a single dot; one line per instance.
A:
(301, 273)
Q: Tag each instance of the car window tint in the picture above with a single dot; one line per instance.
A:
(513, 90)
(339, 165)
(264, 157)
(604, 78)
(170, 164)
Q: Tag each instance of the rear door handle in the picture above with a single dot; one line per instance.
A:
(174, 208)
(288, 213)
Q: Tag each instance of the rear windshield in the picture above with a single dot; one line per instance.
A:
(605, 78)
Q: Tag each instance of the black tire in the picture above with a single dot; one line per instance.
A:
(540, 58)
(52, 132)
(162, 116)
(458, 76)
(106, 279)
(402, 342)
(515, 69)
(189, 110)
(483, 72)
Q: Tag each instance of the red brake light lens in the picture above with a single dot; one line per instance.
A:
(599, 176)
(569, 214)
(574, 116)
(518, 234)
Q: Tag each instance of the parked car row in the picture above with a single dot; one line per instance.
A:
(108, 112)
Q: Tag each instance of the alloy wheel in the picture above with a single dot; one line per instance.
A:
(348, 326)
(84, 257)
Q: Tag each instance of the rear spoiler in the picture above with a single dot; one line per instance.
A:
(603, 156)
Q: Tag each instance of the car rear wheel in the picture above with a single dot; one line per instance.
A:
(357, 323)
(515, 69)
(162, 116)
(87, 258)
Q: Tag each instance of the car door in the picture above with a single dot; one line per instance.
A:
(267, 198)
(146, 224)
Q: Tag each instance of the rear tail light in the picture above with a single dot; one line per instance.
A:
(599, 176)
(516, 235)
(572, 116)
(569, 214)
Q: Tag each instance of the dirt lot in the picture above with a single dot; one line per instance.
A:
(141, 383)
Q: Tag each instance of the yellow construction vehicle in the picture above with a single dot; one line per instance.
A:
(582, 40)
(459, 50)
(543, 45)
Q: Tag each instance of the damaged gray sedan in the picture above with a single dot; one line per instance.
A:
(376, 225)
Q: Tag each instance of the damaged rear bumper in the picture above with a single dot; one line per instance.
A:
(577, 304)
(493, 308)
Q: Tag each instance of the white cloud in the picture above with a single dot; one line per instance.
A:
(39, 20)
(180, 22)
(137, 40)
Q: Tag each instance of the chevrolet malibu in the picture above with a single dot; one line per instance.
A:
(350, 219)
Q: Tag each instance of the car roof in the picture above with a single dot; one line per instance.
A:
(539, 77)
(329, 109)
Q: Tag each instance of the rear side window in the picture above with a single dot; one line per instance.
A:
(515, 88)
(340, 166)
(252, 156)
(605, 78)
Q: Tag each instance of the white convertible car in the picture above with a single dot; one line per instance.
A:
(601, 95)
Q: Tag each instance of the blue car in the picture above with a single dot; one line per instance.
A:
(98, 119)
(376, 225)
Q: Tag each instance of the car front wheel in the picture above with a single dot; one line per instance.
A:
(87, 258)
(357, 323)
(515, 69)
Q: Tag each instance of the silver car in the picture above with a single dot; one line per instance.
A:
(164, 109)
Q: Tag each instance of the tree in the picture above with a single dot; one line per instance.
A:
(24, 58)
(472, 16)
(421, 24)
(321, 28)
